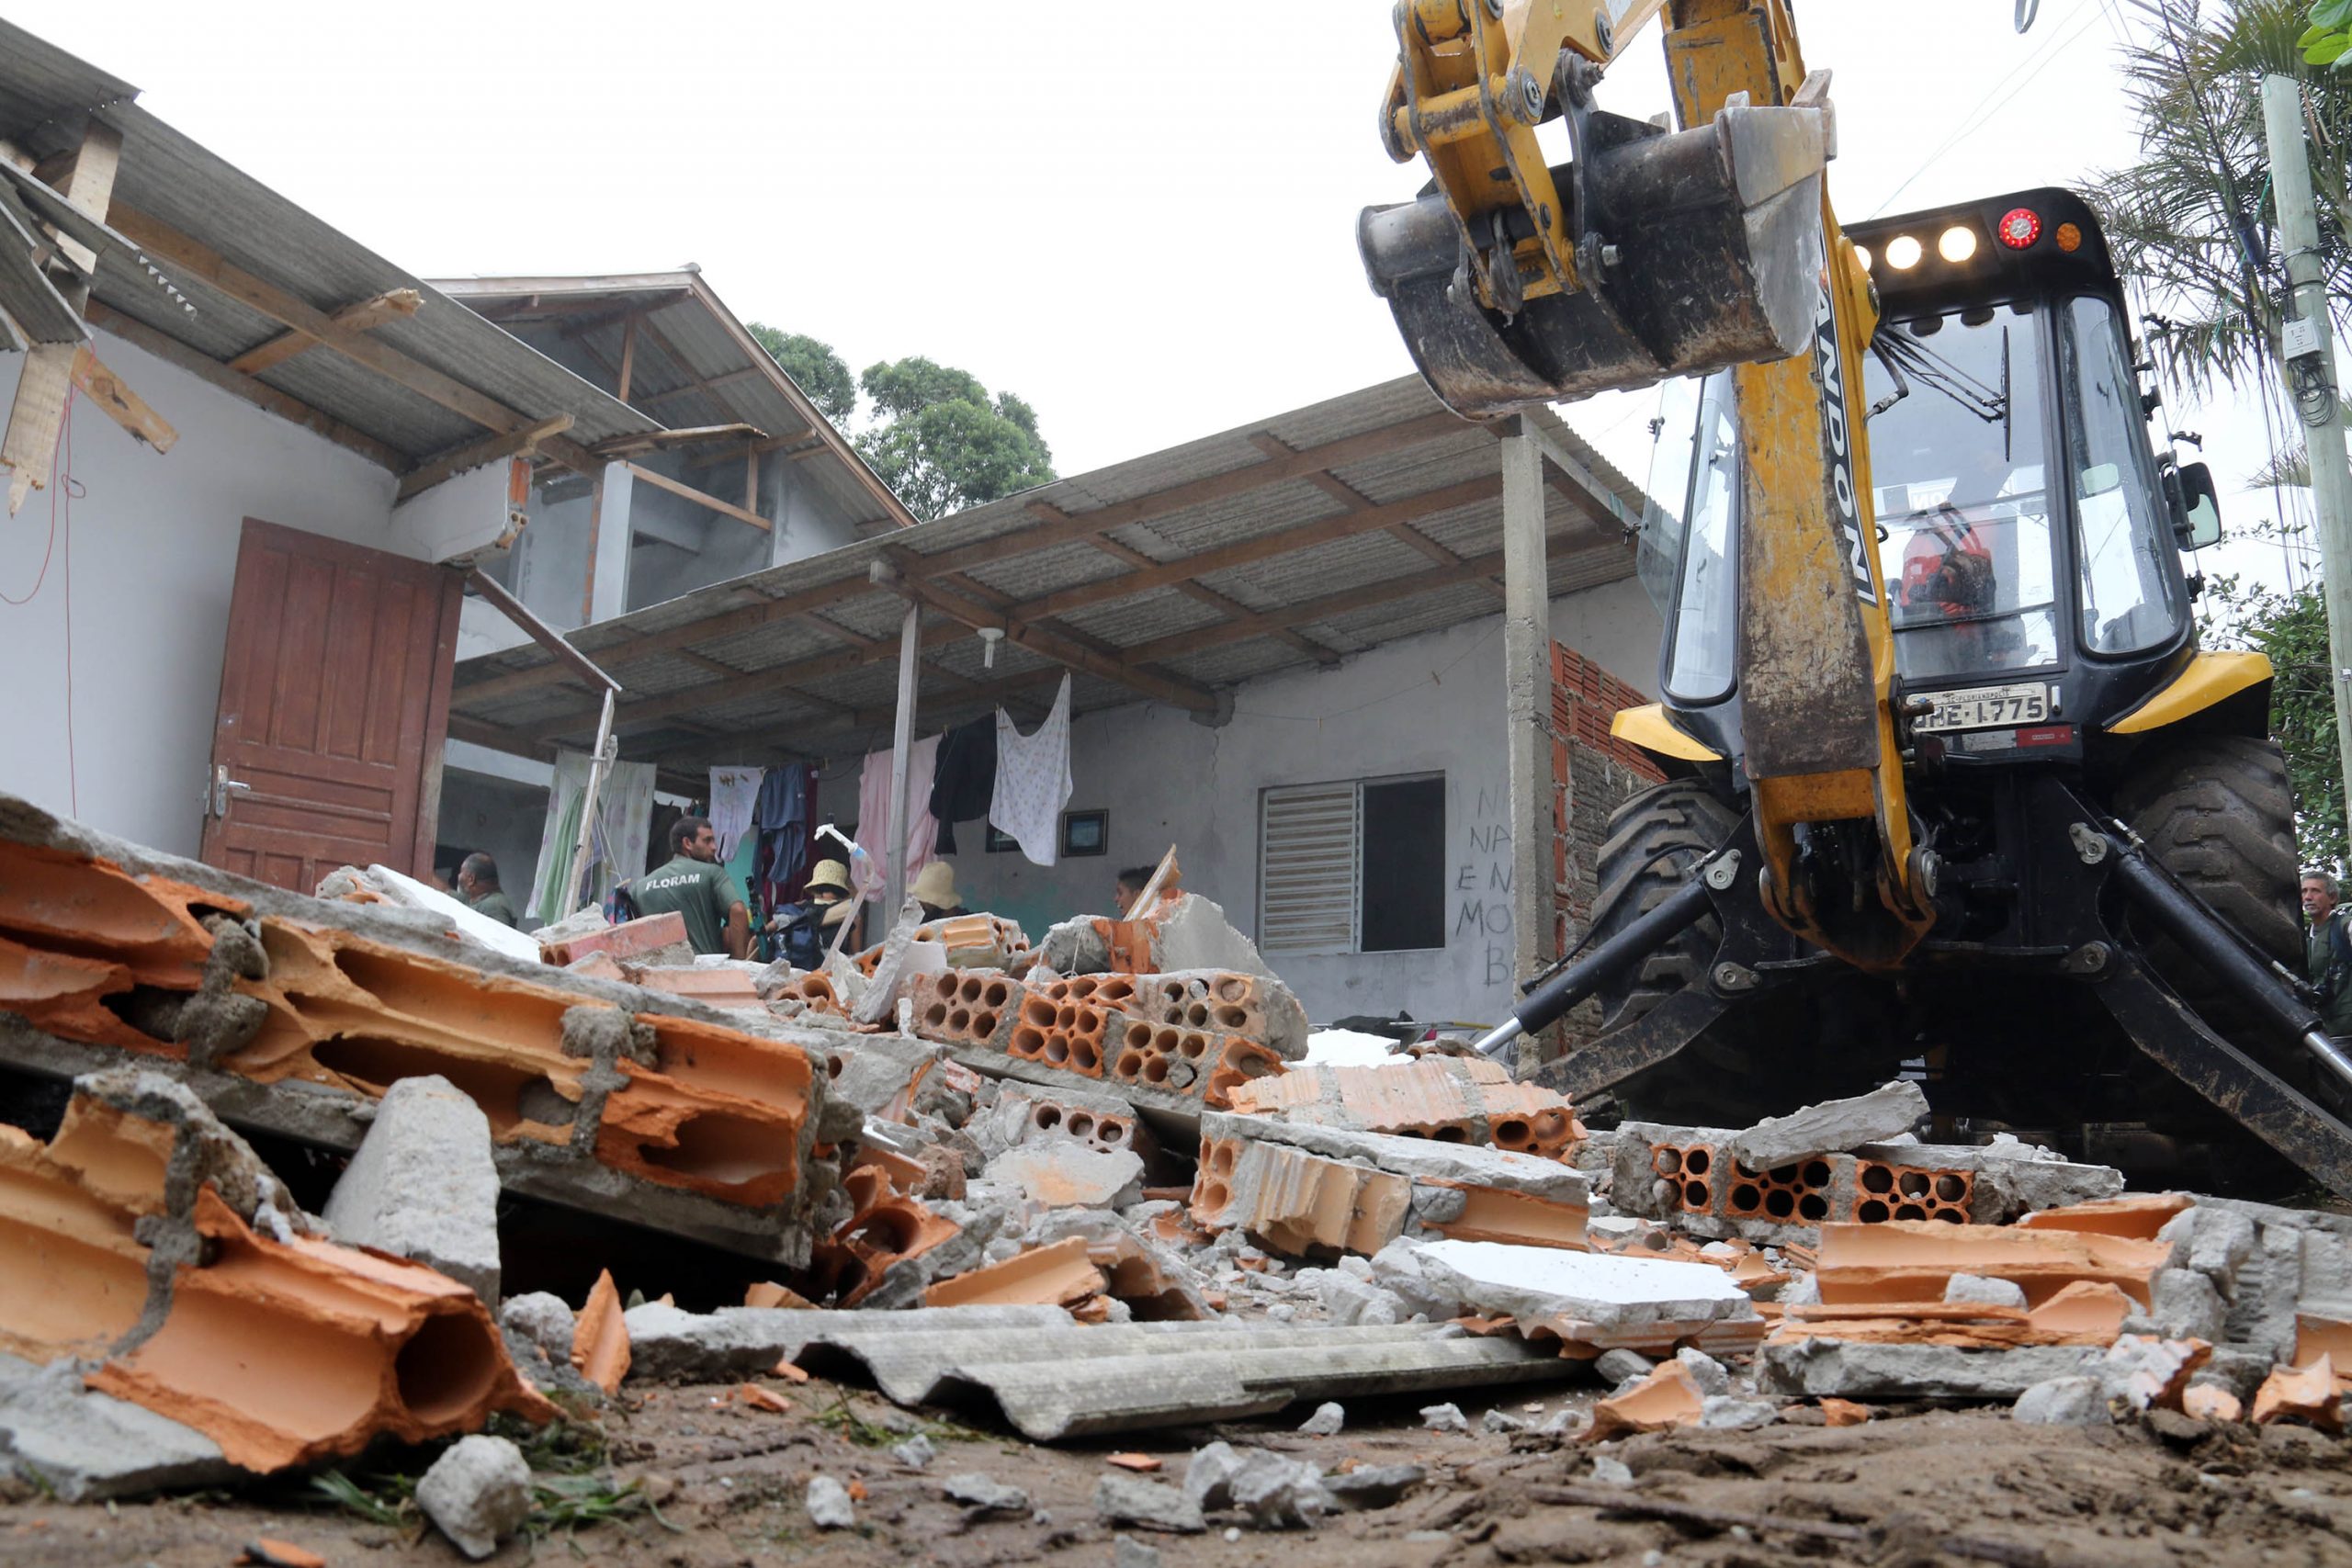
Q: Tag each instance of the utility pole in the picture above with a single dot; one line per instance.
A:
(2290, 184)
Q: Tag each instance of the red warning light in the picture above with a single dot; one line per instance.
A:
(2019, 227)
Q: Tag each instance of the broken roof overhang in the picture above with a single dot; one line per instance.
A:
(218, 264)
(694, 365)
(1298, 539)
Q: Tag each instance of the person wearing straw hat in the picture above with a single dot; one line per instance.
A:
(934, 889)
(801, 927)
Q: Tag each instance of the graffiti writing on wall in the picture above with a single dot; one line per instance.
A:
(1482, 887)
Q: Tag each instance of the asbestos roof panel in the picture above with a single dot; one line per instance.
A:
(170, 178)
(1281, 581)
(40, 84)
(1057, 1380)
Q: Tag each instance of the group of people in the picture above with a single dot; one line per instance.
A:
(693, 885)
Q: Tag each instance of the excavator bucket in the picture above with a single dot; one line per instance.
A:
(1697, 250)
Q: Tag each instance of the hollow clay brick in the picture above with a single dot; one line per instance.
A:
(288, 1352)
(1052, 1275)
(600, 1338)
(1462, 1100)
(630, 938)
(720, 986)
(1913, 1260)
(2301, 1394)
(1669, 1397)
(2138, 1217)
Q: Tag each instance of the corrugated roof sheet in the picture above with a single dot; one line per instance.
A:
(48, 96)
(1054, 1379)
(1342, 587)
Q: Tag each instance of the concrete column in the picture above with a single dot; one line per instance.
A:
(1527, 690)
(903, 740)
(608, 530)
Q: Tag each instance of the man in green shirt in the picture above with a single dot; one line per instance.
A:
(478, 885)
(695, 885)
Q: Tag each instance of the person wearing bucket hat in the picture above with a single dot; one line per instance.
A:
(801, 927)
(934, 889)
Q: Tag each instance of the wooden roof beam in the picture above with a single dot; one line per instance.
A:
(161, 241)
(1061, 648)
(1355, 500)
(366, 315)
(474, 453)
(259, 393)
(1193, 492)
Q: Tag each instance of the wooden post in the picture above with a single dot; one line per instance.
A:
(894, 886)
(1527, 690)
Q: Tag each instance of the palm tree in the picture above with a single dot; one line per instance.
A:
(2191, 223)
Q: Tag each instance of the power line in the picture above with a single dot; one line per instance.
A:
(1982, 114)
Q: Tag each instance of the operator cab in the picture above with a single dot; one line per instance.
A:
(2029, 540)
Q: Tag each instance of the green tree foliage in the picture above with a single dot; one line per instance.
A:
(814, 368)
(2192, 222)
(937, 437)
(2329, 38)
(943, 443)
(2291, 628)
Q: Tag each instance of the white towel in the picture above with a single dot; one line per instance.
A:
(733, 792)
(1032, 780)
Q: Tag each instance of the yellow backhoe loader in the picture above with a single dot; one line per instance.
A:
(1950, 779)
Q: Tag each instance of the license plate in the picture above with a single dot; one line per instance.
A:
(1983, 707)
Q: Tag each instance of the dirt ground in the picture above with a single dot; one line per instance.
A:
(726, 1478)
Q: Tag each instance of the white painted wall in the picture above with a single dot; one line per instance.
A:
(1423, 705)
(151, 555)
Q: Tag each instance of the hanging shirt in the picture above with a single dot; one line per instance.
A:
(782, 818)
(874, 809)
(966, 781)
(1032, 780)
(733, 792)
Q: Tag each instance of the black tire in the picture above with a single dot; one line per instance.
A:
(1654, 838)
(2219, 812)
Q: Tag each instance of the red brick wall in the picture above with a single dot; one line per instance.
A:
(1592, 772)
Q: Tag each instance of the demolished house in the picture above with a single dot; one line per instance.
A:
(302, 1163)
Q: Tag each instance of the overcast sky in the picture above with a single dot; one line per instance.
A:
(1138, 217)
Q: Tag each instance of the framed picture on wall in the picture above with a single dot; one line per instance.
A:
(1086, 832)
(1001, 842)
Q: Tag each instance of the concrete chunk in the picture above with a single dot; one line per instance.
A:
(85, 1447)
(1832, 1126)
(827, 1503)
(422, 1185)
(985, 1492)
(1130, 1500)
(478, 1493)
(1812, 1367)
(1975, 1290)
(2062, 1402)
(1064, 1173)
(1326, 1421)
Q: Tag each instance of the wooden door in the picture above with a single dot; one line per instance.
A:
(334, 695)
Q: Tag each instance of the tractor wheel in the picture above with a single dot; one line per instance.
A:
(1654, 838)
(2218, 811)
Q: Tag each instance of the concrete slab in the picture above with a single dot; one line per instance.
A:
(1536, 1285)
(1811, 1368)
(87, 1446)
(1833, 1126)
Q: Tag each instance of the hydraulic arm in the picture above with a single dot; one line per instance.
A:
(1650, 253)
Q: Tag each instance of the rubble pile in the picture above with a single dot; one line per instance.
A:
(1091, 1180)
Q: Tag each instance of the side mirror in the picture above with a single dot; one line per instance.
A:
(2200, 520)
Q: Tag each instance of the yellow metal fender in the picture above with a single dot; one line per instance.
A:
(1648, 728)
(2208, 678)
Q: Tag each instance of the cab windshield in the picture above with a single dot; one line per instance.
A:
(1962, 491)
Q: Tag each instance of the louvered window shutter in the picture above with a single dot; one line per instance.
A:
(1308, 859)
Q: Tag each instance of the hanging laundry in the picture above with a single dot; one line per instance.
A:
(965, 782)
(733, 792)
(874, 809)
(1032, 780)
(783, 817)
(624, 818)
